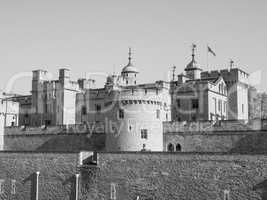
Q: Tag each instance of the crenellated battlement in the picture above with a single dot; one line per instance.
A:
(153, 92)
(230, 75)
(89, 128)
(209, 127)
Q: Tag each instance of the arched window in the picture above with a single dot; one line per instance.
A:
(170, 147)
(178, 147)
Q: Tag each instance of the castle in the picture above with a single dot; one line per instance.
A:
(133, 112)
(200, 136)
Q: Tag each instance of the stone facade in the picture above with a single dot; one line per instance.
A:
(9, 115)
(197, 100)
(18, 177)
(237, 88)
(133, 114)
(52, 101)
(223, 136)
(257, 104)
(127, 176)
(90, 137)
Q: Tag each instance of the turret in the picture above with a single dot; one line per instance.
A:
(129, 72)
(192, 70)
(86, 83)
(64, 74)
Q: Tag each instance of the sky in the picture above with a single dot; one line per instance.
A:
(93, 37)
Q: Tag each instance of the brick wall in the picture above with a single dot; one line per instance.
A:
(220, 141)
(180, 176)
(161, 176)
(54, 142)
(56, 179)
(55, 138)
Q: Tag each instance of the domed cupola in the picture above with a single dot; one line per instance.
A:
(129, 72)
(192, 69)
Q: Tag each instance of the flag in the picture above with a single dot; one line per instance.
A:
(211, 51)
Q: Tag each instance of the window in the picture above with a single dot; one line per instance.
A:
(178, 147)
(194, 103)
(178, 102)
(170, 147)
(13, 186)
(84, 110)
(121, 113)
(98, 107)
(224, 106)
(226, 195)
(113, 191)
(144, 147)
(166, 117)
(158, 113)
(126, 82)
(242, 108)
(143, 133)
(2, 186)
(219, 105)
(47, 122)
(215, 105)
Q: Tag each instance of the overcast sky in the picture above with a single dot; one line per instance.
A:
(94, 36)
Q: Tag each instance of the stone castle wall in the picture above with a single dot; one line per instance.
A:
(180, 176)
(56, 138)
(212, 126)
(223, 136)
(147, 175)
(129, 111)
(56, 179)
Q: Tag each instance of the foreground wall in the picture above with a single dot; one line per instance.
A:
(180, 176)
(151, 176)
(56, 179)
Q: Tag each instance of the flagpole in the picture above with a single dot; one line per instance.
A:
(207, 56)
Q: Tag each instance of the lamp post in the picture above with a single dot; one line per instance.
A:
(77, 187)
(37, 185)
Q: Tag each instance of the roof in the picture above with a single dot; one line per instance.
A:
(206, 80)
(192, 65)
(129, 68)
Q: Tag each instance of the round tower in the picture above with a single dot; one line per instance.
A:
(134, 121)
